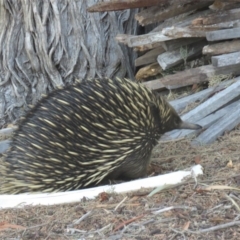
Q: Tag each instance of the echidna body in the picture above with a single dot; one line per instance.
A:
(82, 134)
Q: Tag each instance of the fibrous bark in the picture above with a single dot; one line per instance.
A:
(47, 43)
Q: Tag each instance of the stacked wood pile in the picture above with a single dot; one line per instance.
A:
(186, 30)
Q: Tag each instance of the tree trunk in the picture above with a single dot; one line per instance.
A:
(47, 43)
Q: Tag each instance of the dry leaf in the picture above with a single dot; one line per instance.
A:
(103, 196)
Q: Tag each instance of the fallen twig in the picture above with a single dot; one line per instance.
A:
(211, 229)
(128, 222)
(120, 203)
(174, 207)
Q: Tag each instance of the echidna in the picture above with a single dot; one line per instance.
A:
(85, 133)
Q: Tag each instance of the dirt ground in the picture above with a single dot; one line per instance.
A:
(210, 210)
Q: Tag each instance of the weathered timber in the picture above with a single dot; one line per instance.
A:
(203, 114)
(223, 34)
(182, 32)
(172, 58)
(158, 14)
(124, 38)
(214, 103)
(182, 79)
(191, 76)
(230, 120)
(180, 104)
(116, 5)
(224, 5)
(146, 47)
(219, 17)
(226, 59)
(150, 38)
(155, 37)
(149, 57)
(206, 122)
(183, 20)
(217, 26)
(177, 43)
(148, 71)
(222, 47)
(166, 35)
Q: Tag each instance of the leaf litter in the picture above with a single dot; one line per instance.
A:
(208, 210)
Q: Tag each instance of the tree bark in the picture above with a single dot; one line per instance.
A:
(45, 44)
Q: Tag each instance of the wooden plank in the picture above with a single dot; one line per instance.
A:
(141, 42)
(180, 104)
(222, 47)
(154, 84)
(149, 38)
(226, 59)
(158, 14)
(182, 32)
(219, 17)
(172, 58)
(230, 120)
(217, 26)
(142, 48)
(116, 5)
(177, 43)
(149, 57)
(191, 76)
(223, 34)
(183, 20)
(182, 79)
(219, 5)
(214, 103)
(206, 122)
(155, 38)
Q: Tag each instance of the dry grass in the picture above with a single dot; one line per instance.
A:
(197, 213)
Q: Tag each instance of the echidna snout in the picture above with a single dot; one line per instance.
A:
(80, 135)
(187, 125)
